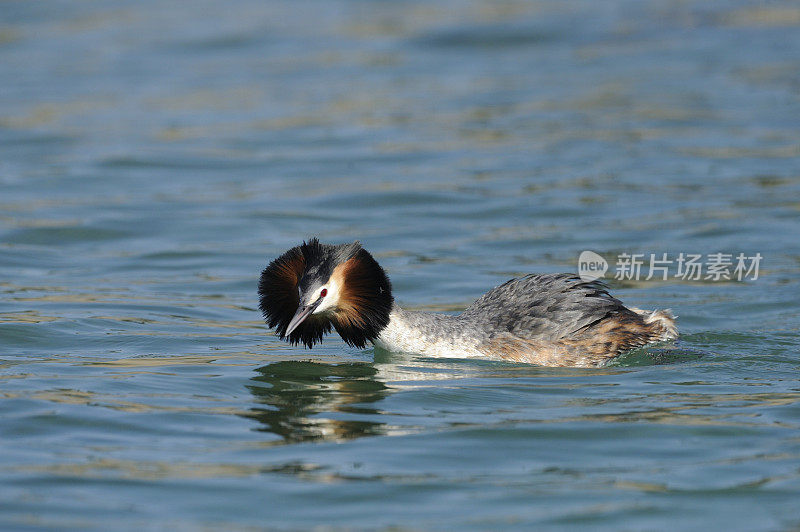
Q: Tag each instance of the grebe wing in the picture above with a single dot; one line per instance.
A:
(543, 307)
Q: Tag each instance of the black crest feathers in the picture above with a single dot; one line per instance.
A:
(278, 289)
(365, 298)
(365, 302)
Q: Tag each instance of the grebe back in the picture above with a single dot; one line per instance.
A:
(550, 320)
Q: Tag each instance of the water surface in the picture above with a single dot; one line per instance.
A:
(154, 157)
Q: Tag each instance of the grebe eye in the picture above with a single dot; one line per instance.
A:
(324, 292)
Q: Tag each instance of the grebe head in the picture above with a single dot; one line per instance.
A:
(313, 287)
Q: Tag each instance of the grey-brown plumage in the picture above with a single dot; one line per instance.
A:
(552, 320)
(543, 306)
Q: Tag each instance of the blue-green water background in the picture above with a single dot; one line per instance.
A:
(155, 155)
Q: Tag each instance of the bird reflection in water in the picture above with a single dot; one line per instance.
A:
(312, 401)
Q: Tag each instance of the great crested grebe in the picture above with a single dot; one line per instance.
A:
(550, 320)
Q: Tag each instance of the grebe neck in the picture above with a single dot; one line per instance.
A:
(429, 334)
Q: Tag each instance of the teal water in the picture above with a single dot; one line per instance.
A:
(154, 156)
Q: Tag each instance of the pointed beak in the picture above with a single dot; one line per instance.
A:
(299, 317)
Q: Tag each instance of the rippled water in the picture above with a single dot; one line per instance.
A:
(154, 157)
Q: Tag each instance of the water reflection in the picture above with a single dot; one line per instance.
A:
(656, 356)
(312, 401)
(315, 401)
